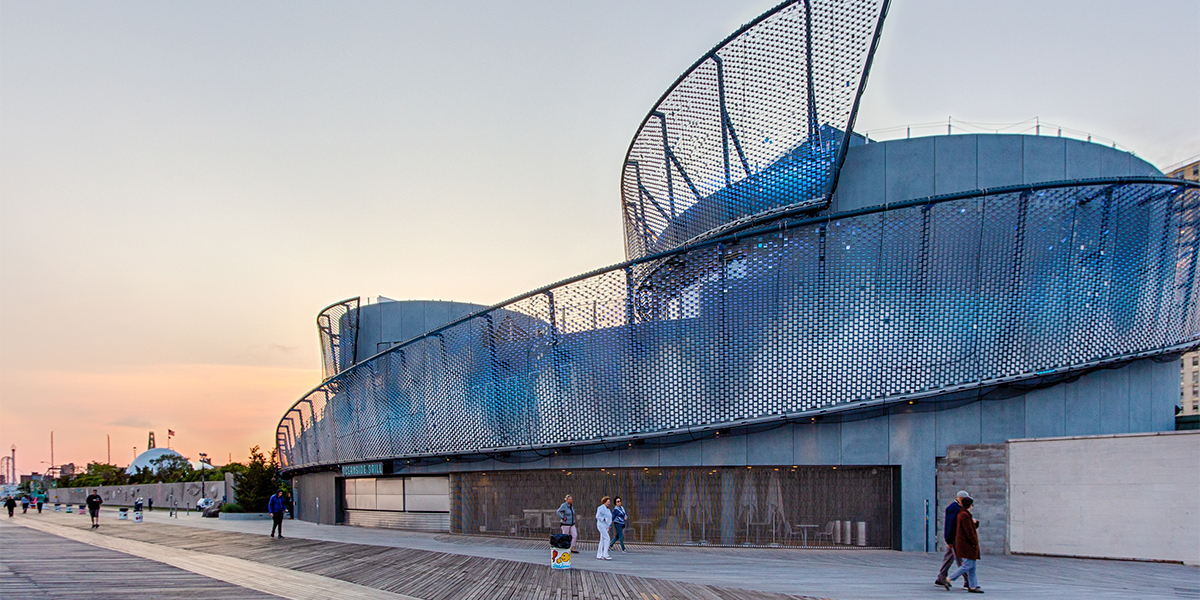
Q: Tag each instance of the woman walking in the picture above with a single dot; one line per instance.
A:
(603, 522)
(966, 547)
(619, 517)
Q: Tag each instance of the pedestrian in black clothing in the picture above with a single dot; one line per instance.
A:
(93, 504)
(275, 507)
(950, 558)
(11, 505)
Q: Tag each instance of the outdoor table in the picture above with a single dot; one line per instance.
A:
(804, 527)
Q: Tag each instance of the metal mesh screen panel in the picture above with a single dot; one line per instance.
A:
(757, 124)
(338, 327)
(813, 314)
(726, 506)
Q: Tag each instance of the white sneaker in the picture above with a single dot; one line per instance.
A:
(607, 558)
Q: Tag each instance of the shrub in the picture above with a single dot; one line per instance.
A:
(232, 507)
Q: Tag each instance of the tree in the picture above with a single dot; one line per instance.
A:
(172, 468)
(258, 481)
(97, 474)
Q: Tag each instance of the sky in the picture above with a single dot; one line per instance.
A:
(184, 185)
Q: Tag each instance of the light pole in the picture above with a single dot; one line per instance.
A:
(203, 458)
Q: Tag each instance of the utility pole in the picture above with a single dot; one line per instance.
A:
(108, 440)
(13, 464)
(51, 449)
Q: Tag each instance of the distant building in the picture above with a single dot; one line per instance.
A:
(1188, 170)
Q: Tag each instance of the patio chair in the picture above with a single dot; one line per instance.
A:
(827, 534)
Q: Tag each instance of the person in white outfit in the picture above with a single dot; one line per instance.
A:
(603, 522)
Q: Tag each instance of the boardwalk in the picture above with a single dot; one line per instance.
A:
(352, 562)
(40, 565)
(421, 574)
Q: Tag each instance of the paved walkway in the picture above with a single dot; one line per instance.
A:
(838, 574)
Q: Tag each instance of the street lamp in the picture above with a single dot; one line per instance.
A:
(203, 458)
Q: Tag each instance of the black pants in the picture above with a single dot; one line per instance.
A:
(277, 523)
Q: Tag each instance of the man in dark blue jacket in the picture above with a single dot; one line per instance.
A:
(275, 506)
(951, 520)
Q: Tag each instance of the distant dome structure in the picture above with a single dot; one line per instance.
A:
(147, 458)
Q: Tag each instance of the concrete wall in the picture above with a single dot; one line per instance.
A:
(982, 471)
(1123, 496)
(315, 497)
(125, 495)
(898, 170)
(1138, 397)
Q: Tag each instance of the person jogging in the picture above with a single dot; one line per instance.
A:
(275, 507)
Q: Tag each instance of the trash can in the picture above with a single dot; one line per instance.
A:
(124, 514)
(137, 516)
(68, 508)
(560, 551)
(82, 509)
(846, 539)
(57, 507)
(861, 538)
(837, 532)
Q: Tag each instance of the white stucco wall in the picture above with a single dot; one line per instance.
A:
(1134, 496)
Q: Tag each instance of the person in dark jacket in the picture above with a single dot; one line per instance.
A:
(10, 504)
(93, 503)
(275, 506)
(619, 517)
(949, 558)
(966, 547)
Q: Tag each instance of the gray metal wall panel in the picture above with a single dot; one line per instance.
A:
(1085, 160)
(639, 457)
(1044, 159)
(912, 444)
(1114, 401)
(956, 165)
(959, 425)
(817, 444)
(1165, 387)
(865, 442)
(1002, 420)
(1141, 410)
(773, 447)
(687, 455)
(863, 181)
(724, 451)
(1082, 406)
(909, 169)
(1000, 159)
(1045, 412)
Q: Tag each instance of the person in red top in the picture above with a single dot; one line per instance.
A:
(966, 547)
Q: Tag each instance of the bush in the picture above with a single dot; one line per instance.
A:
(231, 508)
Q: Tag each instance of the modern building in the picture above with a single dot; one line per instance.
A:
(1189, 389)
(805, 324)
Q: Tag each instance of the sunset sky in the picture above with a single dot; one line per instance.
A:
(184, 185)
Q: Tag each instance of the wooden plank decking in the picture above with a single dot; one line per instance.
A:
(420, 573)
(38, 565)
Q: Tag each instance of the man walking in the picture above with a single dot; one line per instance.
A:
(966, 547)
(603, 522)
(566, 519)
(93, 503)
(948, 533)
(275, 507)
(11, 505)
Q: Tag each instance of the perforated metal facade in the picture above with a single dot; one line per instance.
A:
(886, 303)
(338, 326)
(759, 123)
